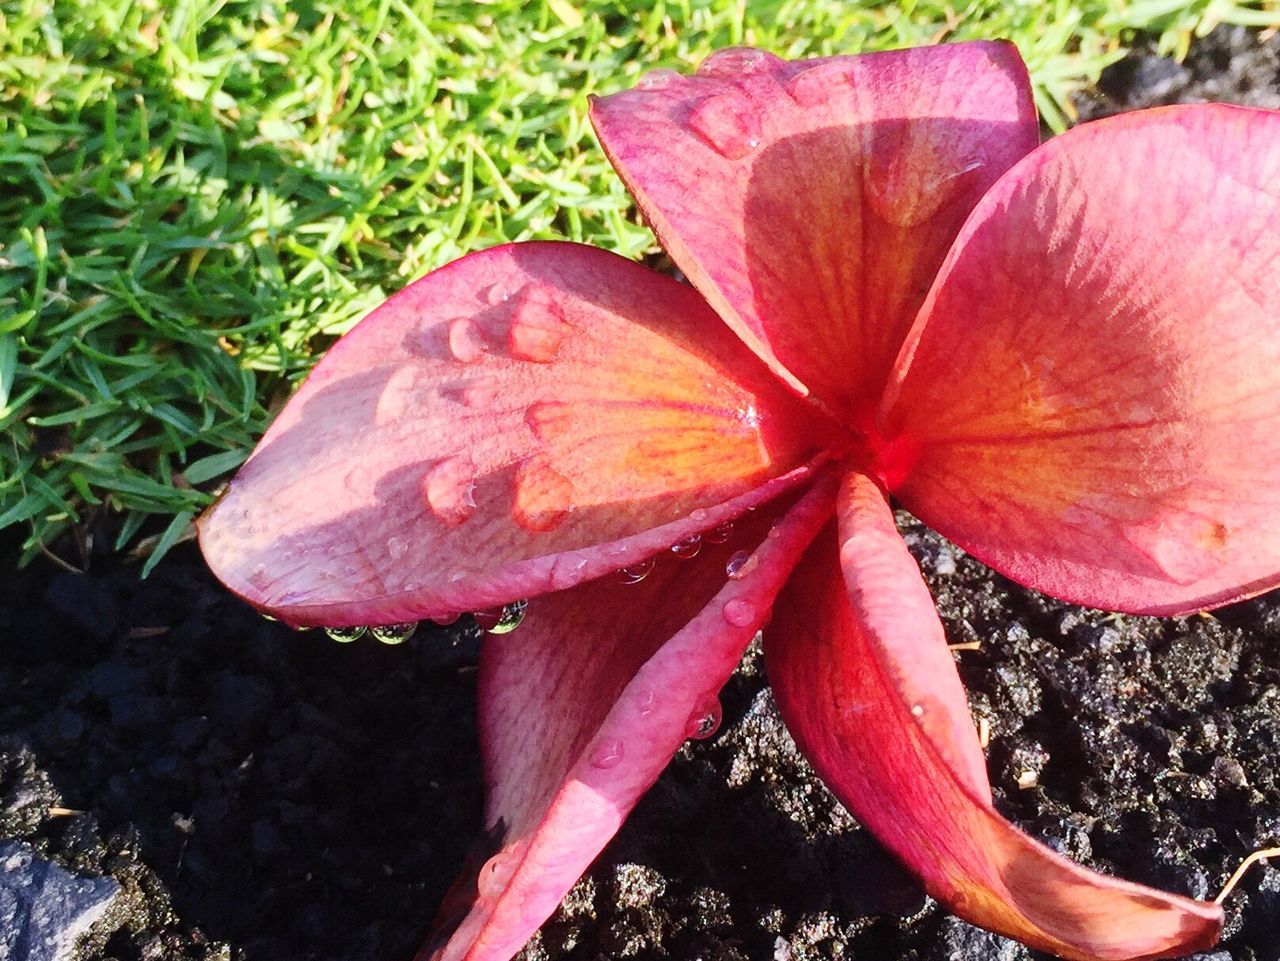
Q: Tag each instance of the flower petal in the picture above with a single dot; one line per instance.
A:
(867, 687)
(584, 708)
(479, 437)
(1093, 387)
(811, 202)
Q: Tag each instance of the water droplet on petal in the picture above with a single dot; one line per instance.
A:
(543, 496)
(736, 62)
(705, 719)
(917, 710)
(719, 534)
(502, 620)
(817, 85)
(728, 123)
(1176, 555)
(550, 420)
(268, 617)
(645, 702)
(698, 515)
(450, 489)
(687, 547)
(568, 570)
(496, 873)
(345, 635)
(397, 547)
(396, 398)
(444, 620)
(466, 343)
(394, 633)
(493, 295)
(739, 612)
(538, 327)
(658, 79)
(637, 572)
(740, 564)
(606, 754)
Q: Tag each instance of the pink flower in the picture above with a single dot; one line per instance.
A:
(1065, 358)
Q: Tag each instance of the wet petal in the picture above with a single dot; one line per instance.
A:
(811, 202)
(867, 687)
(1095, 392)
(480, 436)
(584, 707)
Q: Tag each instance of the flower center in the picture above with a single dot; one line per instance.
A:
(888, 459)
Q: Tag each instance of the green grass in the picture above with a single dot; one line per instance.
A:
(197, 197)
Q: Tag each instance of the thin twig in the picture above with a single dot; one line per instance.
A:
(1248, 862)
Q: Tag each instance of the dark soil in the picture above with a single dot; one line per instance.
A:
(267, 795)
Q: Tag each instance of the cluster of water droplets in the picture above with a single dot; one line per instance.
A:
(690, 547)
(385, 633)
(497, 620)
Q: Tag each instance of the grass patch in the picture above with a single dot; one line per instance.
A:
(197, 197)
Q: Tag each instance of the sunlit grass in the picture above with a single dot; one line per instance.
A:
(196, 197)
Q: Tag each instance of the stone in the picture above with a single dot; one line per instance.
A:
(45, 910)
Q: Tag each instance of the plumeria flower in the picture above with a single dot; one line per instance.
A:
(1065, 358)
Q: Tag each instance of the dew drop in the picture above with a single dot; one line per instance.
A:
(445, 619)
(728, 124)
(719, 534)
(450, 489)
(645, 702)
(345, 635)
(568, 570)
(687, 547)
(466, 343)
(736, 62)
(817, 85)
(659, 79)
(705, 719)
(739, 612)
(397, 397)
(698, 515)
(543, 496)
(394, 633)
(538, 326)
(637, 572)
(502, 620)
(494, 294)
(740, 564)
(917, 710)
(273, 620)
(607, 753)
(550, 420)
(397, 547)
(496, 874)
(1176, 556)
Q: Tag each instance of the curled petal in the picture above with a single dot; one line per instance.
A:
(866, 685)
(519, 421)
(812, 201)
(1092, 390)
(584, 707)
